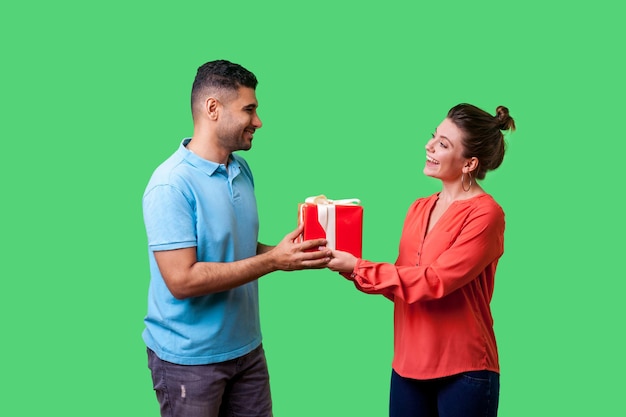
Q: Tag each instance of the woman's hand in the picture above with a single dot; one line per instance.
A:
(342, 261)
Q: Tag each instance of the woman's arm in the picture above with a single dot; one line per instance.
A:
(479, 243)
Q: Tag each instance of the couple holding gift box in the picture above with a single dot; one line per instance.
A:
(202, 328)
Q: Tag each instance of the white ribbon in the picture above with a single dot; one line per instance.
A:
(321, 199)
(326, 214)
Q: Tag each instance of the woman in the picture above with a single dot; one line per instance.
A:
(445, 357)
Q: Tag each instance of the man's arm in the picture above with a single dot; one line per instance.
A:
(186, 277)
(261, 248)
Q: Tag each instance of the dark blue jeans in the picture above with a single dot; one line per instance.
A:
(235, 388)
(470, 394)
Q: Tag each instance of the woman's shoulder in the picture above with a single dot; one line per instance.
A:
(426, 200)
(484, 205)
(487, 201)
(421, 206)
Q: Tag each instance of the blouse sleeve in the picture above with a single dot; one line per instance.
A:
(479, 243)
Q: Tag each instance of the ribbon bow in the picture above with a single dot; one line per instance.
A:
(321, 199)
(326, 214)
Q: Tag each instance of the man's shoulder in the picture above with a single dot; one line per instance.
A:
(170, 172)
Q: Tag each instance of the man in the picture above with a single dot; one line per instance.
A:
(202, 326)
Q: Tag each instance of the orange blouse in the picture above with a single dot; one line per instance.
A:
(441, 286)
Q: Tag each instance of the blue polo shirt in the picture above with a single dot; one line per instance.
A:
(192, 202)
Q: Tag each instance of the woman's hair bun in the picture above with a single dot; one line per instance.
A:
(505, 121)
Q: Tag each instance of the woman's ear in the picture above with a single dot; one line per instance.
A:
(470, 165)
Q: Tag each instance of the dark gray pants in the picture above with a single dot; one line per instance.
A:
(236, 388)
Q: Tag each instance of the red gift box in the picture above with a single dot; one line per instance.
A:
(340, 222)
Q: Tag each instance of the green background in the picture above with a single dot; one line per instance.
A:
(95, 95)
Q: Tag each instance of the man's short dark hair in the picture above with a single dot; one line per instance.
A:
(221, 75)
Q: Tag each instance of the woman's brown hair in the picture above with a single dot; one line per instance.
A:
(482, 134)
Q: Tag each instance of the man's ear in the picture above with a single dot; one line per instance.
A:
(211, 107)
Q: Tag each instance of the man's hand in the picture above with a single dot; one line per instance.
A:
(291, 256)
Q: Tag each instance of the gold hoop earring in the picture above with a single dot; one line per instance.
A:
(469, 187)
